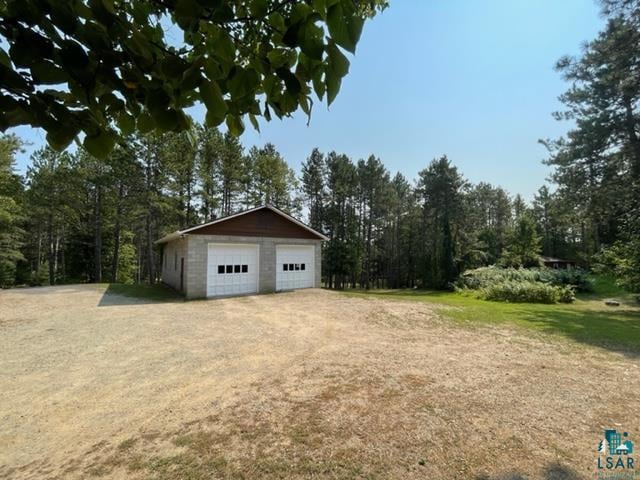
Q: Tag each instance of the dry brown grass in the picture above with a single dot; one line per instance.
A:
(310, 384)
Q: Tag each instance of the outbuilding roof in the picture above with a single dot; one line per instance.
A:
(554, 260)
(191, 230)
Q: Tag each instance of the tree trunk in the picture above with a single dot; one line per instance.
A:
(116, 235)
(52, 273)
(150, 263)
(634, 141)
(97, 243)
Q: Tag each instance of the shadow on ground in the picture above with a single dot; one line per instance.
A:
(121, 294)
(553, 471)
(611, 328)
(615, 331)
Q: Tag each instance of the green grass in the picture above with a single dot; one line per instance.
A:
(157, 292)
(588, 320)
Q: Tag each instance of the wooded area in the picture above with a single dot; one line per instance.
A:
(73, 218)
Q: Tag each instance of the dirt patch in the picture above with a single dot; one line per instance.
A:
(297, 385)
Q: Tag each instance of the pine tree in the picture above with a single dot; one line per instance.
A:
(524, 244)
(314, 188)
(11, 212)
(441, 192)
(273, 182)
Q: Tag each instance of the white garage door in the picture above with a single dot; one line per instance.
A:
(294, 266)
(232, 269)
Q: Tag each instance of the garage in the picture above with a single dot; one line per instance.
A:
(232, 269)
(260, 250)
(294, 267)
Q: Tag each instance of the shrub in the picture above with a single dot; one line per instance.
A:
(483, 277)
(622, 259)
(526, 291)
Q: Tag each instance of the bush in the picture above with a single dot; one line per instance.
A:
(483, 277)
(526, 291)
(622, 260)
(532, 285)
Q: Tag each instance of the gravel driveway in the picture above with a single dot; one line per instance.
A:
(295, 385)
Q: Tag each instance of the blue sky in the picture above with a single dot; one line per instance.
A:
(472, 79)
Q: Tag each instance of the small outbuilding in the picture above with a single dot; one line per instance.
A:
(260, 250)
(557, 263)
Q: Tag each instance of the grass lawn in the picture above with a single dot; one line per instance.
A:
(157, 292)
(588, 320)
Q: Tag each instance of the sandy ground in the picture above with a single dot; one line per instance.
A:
(308, 384)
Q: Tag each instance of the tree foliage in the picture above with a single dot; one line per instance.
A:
(109, 68)
(595, 209)
(11, 211)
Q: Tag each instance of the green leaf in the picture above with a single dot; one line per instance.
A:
(214, 70)
(61, 137)
(311, 41)
(4, 58)
(126, 123)
(320, 6)
(276, 21)
(291, 37)
(166, 120)
(290, 80)
(235, 125)
(332, 82)
(48, 73)
(254, 122)
(318, 84)
(100, 145)
(258, 8)
(146, 122)
(173, 66)
(186, 12)
(306, 105)
(300, 12)
(213, 99)
(243, 82)
(281, 57)
(225, 49)
(337, 61)
(345, 26)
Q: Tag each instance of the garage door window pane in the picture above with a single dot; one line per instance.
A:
(285, 267)
(220, 268)
(236, 269)
(229, 268)
(297, 266)
(291, 267)
(302, 266)
(245, 268)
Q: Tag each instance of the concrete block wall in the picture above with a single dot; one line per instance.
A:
(172, 253)
(197, 251)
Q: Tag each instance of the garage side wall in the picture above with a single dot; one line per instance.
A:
(196, 279)
(172, 253)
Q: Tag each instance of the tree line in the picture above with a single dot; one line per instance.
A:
(75, 218)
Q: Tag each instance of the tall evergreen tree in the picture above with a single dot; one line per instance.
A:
(11, 211)
(314, 187)
(441, 192)
(272, 181)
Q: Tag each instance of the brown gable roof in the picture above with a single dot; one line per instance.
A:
(265, 221)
